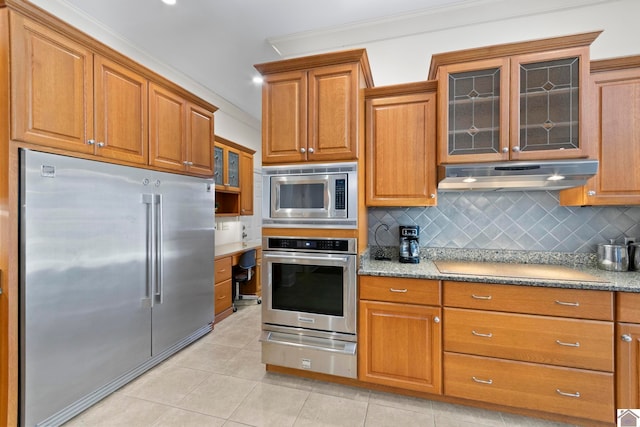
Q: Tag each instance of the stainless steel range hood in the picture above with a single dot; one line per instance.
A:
(516, 176)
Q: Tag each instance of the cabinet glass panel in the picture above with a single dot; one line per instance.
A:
(474, 112)
(549, 105)
(218, 166)
(234, 169)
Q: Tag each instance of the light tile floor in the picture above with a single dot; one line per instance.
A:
(219, 381)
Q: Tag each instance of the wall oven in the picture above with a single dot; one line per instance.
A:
(310, 195)
(309, 304)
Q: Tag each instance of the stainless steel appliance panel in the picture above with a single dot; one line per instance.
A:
(116, 275)
(84, 316)
(312, 195)
(299, 276)
(183, 294)
(299, 351)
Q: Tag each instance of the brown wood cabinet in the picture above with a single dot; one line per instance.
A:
(614, 126)
(223, 288)
(400, 141)
(399, 336)
(311, 107)
(227, 167)
(572, 392)
(233, 177)
(520, 101)
(68, 97)
(522, 353)
(52, 81)
(246, 183)
(181, 133)
(627, 340)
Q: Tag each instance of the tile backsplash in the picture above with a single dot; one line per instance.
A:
(532, 221)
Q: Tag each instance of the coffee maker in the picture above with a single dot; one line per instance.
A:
(409, 245)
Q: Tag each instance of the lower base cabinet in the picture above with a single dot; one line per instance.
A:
(222, 288)
(400, 343)
(559, 390)
(628, 350)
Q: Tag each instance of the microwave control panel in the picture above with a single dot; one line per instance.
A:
(341, 194)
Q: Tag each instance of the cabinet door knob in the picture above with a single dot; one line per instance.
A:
(302, 150)
(626, 338)
(436, 319)
(91, 142)
(311, 150)
(505, 149)
(101, 144)
(433, 196)
(591, 193)
(516, 149)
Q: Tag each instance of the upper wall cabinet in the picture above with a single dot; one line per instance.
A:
(233, 177)
(181, 133)
(400, 145)
(614, 125)
(73, 94)
(521, 101)
(311, 107)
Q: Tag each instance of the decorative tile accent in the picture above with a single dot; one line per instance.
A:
(516, 220)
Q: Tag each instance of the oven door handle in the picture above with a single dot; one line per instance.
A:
(328, 257)
(314, 343)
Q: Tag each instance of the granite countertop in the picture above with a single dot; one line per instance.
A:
(627, 281)
(237, 247)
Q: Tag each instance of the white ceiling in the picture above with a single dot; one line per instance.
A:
(216, 42)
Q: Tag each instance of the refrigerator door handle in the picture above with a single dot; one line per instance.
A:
(149, 200)
(159, 252)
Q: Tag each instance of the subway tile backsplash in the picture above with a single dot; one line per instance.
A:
(532, 221)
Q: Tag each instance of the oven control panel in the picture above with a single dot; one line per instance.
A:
(346, 245)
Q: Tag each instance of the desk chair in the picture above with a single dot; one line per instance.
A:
(242, 273)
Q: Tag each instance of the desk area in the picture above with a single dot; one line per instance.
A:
(226, 257)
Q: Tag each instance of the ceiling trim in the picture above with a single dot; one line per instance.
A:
(464, 13)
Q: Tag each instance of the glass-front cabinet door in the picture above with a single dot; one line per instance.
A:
(474, 98)
(524, 107)
(226, 163)
(548, 91)
(218, 165)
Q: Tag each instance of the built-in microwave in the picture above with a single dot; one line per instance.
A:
(319, 195)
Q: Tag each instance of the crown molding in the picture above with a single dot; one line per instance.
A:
(460, 14)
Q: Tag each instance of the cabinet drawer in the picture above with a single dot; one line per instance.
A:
(222, 296)
(541, 339)
(393, 289)
(628, 307)
(571, 392)
(222, 269)
(578, 303)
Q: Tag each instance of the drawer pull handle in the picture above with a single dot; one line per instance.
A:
(570, 304)
(568, 344)
(402, 291)
(478, 334)
(485, 297)
(562, 393)
(478, 380)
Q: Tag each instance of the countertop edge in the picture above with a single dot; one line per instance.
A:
(235, 248)
(426, 269)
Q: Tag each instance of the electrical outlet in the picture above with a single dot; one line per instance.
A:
(225, 226)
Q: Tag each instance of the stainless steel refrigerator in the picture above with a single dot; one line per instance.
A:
(116, 269)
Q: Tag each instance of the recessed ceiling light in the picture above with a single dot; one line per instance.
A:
(258, 80)
(171, 2)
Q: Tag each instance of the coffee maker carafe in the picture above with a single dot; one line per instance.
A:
(409, 244)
